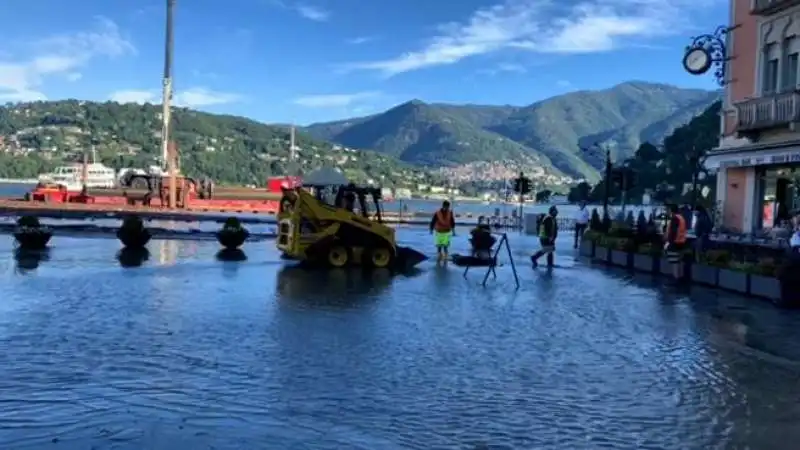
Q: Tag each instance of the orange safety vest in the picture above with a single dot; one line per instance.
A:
(681, 237)
(443, 221)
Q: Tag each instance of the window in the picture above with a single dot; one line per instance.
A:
(790, 72)
(769, 69)
(790, 64)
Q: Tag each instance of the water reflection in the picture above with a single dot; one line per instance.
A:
(231, 255)
(132, 257)
(29, 260)
(344, 288)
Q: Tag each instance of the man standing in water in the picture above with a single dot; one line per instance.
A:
(675, 237)
(548, 232)
(443, 224)
(581, 222)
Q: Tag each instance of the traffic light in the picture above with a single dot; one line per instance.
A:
(522, 184)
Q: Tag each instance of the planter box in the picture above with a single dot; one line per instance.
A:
(620, 258)
(733, 280)
(664, 267)
(586, 249)
(645, 263)
(601, 254)
(703, 274)
(766, 287)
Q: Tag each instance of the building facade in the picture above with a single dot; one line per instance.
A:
(758, 157)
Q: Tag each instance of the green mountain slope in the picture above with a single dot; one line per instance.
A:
(35, 137)
(549, 131)
(427, 135)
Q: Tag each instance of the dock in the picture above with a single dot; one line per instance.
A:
(87, 211)
(99, 231)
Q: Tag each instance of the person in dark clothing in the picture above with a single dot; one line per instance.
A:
(482, 239)
(702, 230)
(548, 232)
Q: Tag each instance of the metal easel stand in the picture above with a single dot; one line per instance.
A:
(491, 270)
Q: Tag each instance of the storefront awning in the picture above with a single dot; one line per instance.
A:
(754, 157)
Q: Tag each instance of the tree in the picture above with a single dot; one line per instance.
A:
(543, 196)
(580, 192)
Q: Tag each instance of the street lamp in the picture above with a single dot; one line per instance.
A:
(697, 160)
(595, 149)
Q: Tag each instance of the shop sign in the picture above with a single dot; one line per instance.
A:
(784, 158)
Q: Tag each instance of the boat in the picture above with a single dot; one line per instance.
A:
(70, 176)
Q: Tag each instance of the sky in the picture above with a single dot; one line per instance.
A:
(317, 60)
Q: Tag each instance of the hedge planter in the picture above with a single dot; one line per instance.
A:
(645, 263)
(765, 287)
(133, 234)
(586, 249)
(733, 280)
(33, 239)
(232, 238)
(601, 254)
(31, 235)
(620, 258)
(704, 274)
(233, 234)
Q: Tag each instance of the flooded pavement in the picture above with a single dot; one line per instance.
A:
(190, 352)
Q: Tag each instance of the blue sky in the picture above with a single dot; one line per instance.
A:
(316, 60)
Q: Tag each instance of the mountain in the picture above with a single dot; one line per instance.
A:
(547, 133)
(429, 135)
(35, 137)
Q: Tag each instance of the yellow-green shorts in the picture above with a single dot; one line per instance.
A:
(443, 239)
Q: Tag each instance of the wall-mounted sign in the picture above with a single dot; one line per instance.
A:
(749, 161)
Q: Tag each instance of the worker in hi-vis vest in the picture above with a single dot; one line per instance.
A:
(443, 226)
(675, 241)
(548, 232)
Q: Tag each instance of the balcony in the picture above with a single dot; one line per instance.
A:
(769, 7)
(775, 111)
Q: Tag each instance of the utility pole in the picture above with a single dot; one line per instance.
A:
(168, 157)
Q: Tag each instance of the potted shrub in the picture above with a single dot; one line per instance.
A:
(764, 281)
(30, 234)
(706, 271)
(647, 258)
(595, 223)
(133, 233)
(233, 234)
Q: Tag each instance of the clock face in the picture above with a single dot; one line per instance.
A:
(697, 61)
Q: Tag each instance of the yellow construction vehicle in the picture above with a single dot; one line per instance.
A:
(341, 232)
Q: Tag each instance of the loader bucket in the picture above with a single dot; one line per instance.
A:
(407, 258)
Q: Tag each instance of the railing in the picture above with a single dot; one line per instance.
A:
(766, 7)
(768, 112)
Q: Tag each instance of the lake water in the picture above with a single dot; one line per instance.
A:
(190, 352)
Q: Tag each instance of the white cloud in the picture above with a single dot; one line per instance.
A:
(190, 98)
(360, 40)
(504, 68)
(545, 26)
(563, 83)
(64, 55)
(335, 100)
(313, 13)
